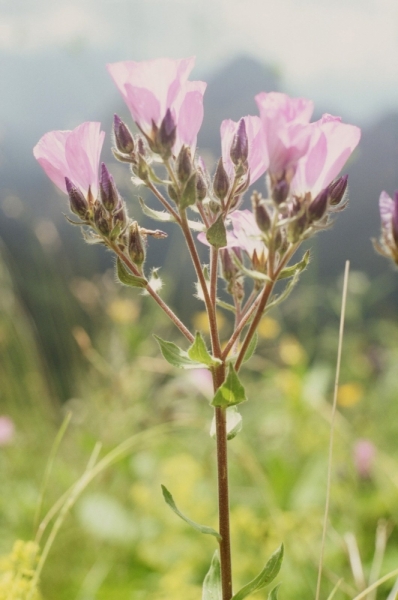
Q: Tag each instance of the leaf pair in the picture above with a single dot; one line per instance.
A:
(196, 357)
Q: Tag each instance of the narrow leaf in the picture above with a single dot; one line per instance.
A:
(196, 225)
(168, 498)
(231, 392)
(158, 215)
(128, 278)
(251, 348)
(267, 575)
(199, 353)
(234, 423)
(249, 272)
(212, 589)
(216, 235)
(176, 356)
(273, 595)
(297, 268)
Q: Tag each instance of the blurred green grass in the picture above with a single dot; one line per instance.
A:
(120, 540)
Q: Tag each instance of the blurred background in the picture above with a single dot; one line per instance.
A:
(70, 338)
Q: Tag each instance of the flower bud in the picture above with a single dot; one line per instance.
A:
(337, 190)
(108, 192)
(395, 218)
(184, 164)
(172, 193)
(240, 145)
(260, 212)
(123, 138)
(201, 188)
(228, 267)
(166, 136)
(318, 206)
(100, 219)
(141, 147)
(119, 216)
(78, 203)
(297, 228)
(221, 181)
(142, 170)
(280, 191)
(136, 246)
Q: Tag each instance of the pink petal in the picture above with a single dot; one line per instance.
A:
(190, 115)
(386, 206)
(50, 154)
(144, 107)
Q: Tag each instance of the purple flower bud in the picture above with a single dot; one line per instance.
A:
(201, 187)
(167, 133)
(136, 246)
(184, 164)
(119, 216)
(221, 181)
(141, 147)
(337, 190)
(395, 218)
(123, 138)
(318, 206)
(228, 267)
(260, 212)
(100, 220)
(280, 191)
(108, 192)
(240, 145)
(78, 203)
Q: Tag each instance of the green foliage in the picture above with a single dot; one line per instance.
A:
(216, 235)
(212, 582)
(199, 353)
(128, 278)
(168, 498)
(231, 392)
(265, 577)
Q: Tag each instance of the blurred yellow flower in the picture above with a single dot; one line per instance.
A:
(17, 571)
(123, 311)
(201, 322)
(291, 351)
(350, 393)
(268, 328)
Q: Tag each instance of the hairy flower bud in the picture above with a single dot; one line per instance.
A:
(136, 246)
(221, 181)
(108, 192)
(280, 191)
(228, 267)
(260, 212)
(318, 206)
(119, 216)
(123, 137)
(337, 190)
(166, 136)
(78, 203)
(100, 219)
(297, 228)
(201, 188)
(184, 164)
(240, 145)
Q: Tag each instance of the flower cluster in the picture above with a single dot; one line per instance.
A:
(301, 161)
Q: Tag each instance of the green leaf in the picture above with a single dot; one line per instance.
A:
(267, 575)
(189, 194)
(273, 595)
(231, 392)
(216, 235)
(202, 528)
(251, 347)
(199, 353)
(176, 356)
(158, 215)
(212, 589)
(297, 268)
(128, 278)
(258, 275)
(234, 423)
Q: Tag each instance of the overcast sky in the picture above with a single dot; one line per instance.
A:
(341, 52)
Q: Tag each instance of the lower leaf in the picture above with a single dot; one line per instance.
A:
(267, 575)
(212, 589)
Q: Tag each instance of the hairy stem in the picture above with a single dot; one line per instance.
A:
(172, 316)
(163, 200)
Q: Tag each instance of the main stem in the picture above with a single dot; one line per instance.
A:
(223, 492)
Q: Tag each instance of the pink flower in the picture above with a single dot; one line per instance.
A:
(332, 143)
(247, 235)
(73, 154)
(7, 431)
(151, 87)
(285, 126)
(257, 157)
